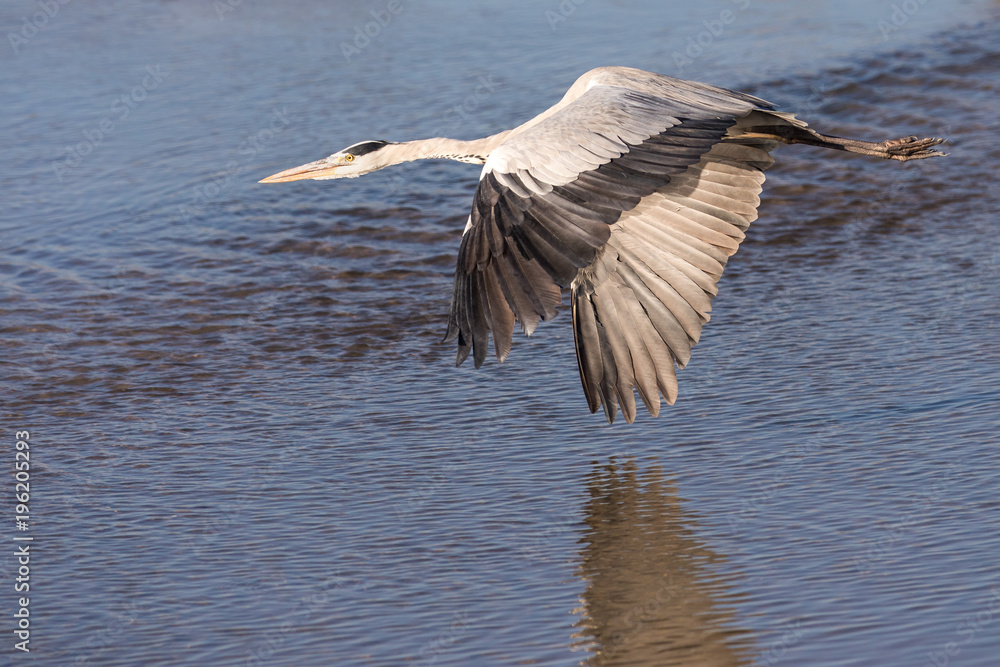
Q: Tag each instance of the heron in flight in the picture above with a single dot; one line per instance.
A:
(631, 192)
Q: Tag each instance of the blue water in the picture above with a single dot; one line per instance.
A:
(249, 447)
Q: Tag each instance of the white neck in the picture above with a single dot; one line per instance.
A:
(442, 148)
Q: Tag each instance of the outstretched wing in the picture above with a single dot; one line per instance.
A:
(575, 199)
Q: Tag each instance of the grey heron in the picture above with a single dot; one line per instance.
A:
(632, 192)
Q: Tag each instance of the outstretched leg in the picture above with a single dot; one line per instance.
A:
(789, 130)
(902, 149)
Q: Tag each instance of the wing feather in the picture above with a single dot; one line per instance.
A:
(661, 265)
(643, 368)
(614, 333)
(588, 350)
(499, 316)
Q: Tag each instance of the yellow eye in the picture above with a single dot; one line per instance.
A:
(349, 158)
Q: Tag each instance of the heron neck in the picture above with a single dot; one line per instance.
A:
(442, 148)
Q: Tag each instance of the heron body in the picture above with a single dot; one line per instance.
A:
(632, 192)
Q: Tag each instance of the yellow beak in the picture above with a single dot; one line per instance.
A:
(316, 169)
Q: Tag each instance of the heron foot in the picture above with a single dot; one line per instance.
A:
(911, 148)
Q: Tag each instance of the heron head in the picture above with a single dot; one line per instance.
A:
(353, 161)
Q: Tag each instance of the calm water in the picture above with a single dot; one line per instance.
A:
(248, 446)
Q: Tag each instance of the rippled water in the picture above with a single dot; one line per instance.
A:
(250, 448)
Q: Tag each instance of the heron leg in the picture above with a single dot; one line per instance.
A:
(902, 149)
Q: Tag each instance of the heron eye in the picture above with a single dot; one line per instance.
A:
(349, 158)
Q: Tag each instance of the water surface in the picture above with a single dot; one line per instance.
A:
(249, 446)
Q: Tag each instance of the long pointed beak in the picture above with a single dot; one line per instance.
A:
(316, 169)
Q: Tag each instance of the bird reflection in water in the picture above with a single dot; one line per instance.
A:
(653, 595)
